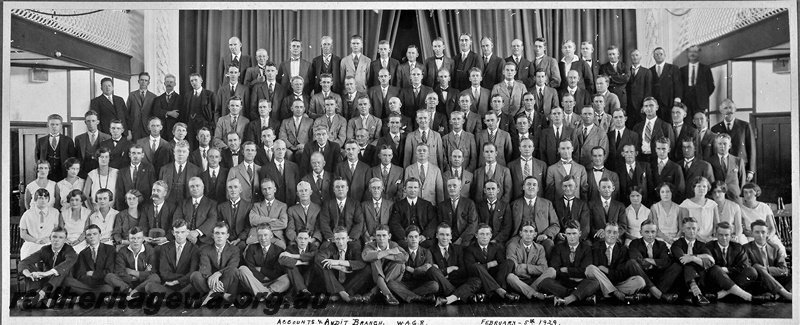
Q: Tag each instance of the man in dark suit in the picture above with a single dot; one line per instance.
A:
(587, 50)
(610, 266)
(109, 106)
(394, 137)
(177, 174)
(342, 267)
(651, 129)
(383, 61)
(598, 171)
(634, 173)
(618, 137)
(157, 151)
(227, 92)
(87, 143)
(140, 108)
(478, 96)
(55, 148)
(327, 62)
(47, 268)
(354, 171)
(769, 260)
(525, 69)
(546, 97)
(694, 257)
(413, 211)
(706, 139)
(233, 155)
(665, 170)
(464, 62)
(569, 261)
(93, 263)
(135, 266)
(413, 96)
(217, 273)
(320, 179)
(261, 273)
(295, 63)
(270, 90)
(653, 262)
(698, 83)
(254, 130)
(743, 143)
(235, 58)
(619, 73)
(214, 177)
(526, 166)
(156, 216)
(694, 166)
(200, 213)
(285, 173)
(138, 175)
(731, 272)
(450, 271)
(459, 212)
(583, 77)
(571, 208)
(550, 137)
(329, 150)
(403, 74)
(667, 83)
(580, 97)
(448, 96)
(350, 98)
(436, 64)
(681, 131)
(199, 106)
(169, 106)
(606, 210)
(390, 173)
(487, 261)
(492, 64)
(176, 261)
(728, 167)
(547, 63)
(416, 283)
(256, 73)
(341, 211)
(376, 210)
(381, 93)
(117, 146)
(639, 87)
(297, 261)
(494, 212)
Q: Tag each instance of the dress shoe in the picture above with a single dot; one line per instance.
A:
(511, 297)
(700, 300)
(592, 300)
(712, 297)
(391, 300)
(559, 302)
(426, 300)
(760, 299)
(26, 304)
(669, 298)
(639, 297)
(440, 301)
(369, 297)
(476, 298)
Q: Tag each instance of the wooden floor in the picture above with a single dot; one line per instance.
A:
(722, 309)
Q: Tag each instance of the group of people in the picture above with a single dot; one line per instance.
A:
(455, 179)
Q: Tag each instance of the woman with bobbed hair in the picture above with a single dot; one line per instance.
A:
(701, 208)
(102, 177)
(75, 218)
(128, 218)
(69, 183)
(753, 210)
(42, 169)
(729, 210)
(665, 214)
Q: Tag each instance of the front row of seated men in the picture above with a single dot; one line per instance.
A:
(439, 275)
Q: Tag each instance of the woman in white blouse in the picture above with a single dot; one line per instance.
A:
(729, 211)
(71, 182)
(103, 177)
(37, 223)
(665, 214)
(42, 170)
(701, 208)
(636, 213)
(75, 218)
(753, 210)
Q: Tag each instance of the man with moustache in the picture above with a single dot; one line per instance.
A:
(200, 213)
(303, 216)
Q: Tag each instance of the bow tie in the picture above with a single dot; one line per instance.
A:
(295, 59)
(440, 58)
(601, 169)
(444, 89)
(566, 162)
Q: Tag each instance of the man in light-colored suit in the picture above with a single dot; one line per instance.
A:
(380, 94)
(366, 121)
(376, 210)
(438, 62)
(140, 107)
(601, 120)
(226, 92)
(547, 63)
(296, 67)
(727, 167)
(271, 212)
(480, 97)
(511, 90)
(610, 99)
(405, 68)
(316, 107)
(356, 64)
(427, 136)
(537, 210)
(391, 175)
(588, 136)
(463, 141)
(233, 122)
(430, 176)
(247, 173)
(296, 130)
(457, 170)
(499, 138)
(530, 263)
(493, 170)
(304, 216)
(565, 166)
(334, 122)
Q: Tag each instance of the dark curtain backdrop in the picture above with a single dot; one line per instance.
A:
(204, 34)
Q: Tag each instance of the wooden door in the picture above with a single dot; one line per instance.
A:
(773, 155)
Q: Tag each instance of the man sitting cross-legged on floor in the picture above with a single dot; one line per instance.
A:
(217, 273)
(569, 259)
(176, 261)
(530, 264)
(93, 264)
(344, 271)
(135, 266)
(487, 261)
(57, 258)
(609, 258)
(416, 283)
(731, 272)
(449, 260)
(261, 272)
(386, 260)
(654, 262)
(297, 262)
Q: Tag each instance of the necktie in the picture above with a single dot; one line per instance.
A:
(352, 168)
(649, 250)
(764, 256)
(725, 256)
(319, 182)
(491, 207)
(341, 207)
(454, 204)
(233, 123)
(53, 142)
(510, 86)
(92, 138)
(541, 95)
(609, 254)
(156, 210)
(269, 207)
(630, 172)
(527, 171)
(330, 121)
(305, 212)
(446, 254)
(558, 133)
(135, 174)
(153, 146)
(377, 207)
(475, 93)
(686, 165)
(691, 78)
(355, 61)
(729, 125)
(723, 164)
(571, 254)
(605, 206)
(233, 90)
(413, 256)
(485, 60)
(425, 137)
(568, 204)
(416, 91)
(689, 249)
(492, 136)
(422, 174)
(219, 256)
(342, 276)
(270, 90)
(385, 172)
(55, 258)
(648, 132)
(213, 177)
(658, 70)
(280, 169)
(485, 252)
(268, 151)
(235, 61)
(489, 171)
(264, 251)
(250, 171)
(178, 254)
(180, 169)
(619, 136)
(660, 166)
(41, 217)
(94, 254)
(530, 203)
(585, 131)
(196, 204)
(234, 208)
(456, 173)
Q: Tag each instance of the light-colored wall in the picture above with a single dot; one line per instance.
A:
(772, 89)
(33, 102)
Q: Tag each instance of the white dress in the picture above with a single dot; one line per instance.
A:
(761, 212)
(731, 212)
(106, 225)
(51, 188)
(75, 228)
(109, 181)
(65, 187)
(704, 216)
(667, 218)
(31, 222)
(635, 220)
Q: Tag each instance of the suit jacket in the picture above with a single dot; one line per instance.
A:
(294, 135)
(525, 71)
(239, 223)
(776, 258)
(574, 120)
(500, 219)
(431, 77)
(680, 248)
(120, 153)
(432, 189)
(559, 257)
(216, 191)
(698, 168)
(316, 106)
(162, 156)
(398, 149)
(367, 155)
(704, 84)
(579, 212)
(671, 173)
(555, 176)
(102, 265)
(170, 269)
(582, 97)
(145, 178)
(201, 110)
(583, 145)
(297, 218)
(251, 75)
(512, 102)
(252, 132)
(434, 141)
(660, 129)
(618, 80)
(466, 143)
(527, 265)
(473, 254)
(403, 73)
(585, 77)
(251, 188)
(544, 216)
(668, 85)
(140, 109)
(65, 149)
(413, 103)
(337, 131)
(261, 91)
(351, 217)
(502, 142)
(379, 103)
(349, 108)
(492, 71)
(176, 103)
(357, 181)
(224, 127)
(148, 220)
(637, 251)
(448, 102)
(286, 183)
(46, 259)
(676, 150)
(320, 194)
(503, 178)
(478, 105)
(462, 66)
(743, 143)
(550, 66)
(616, 267)
(392, 183)
(203, 218)
(373, 127)
(547, 101)
(332, 153)
(373, 218)
(615, 146)
(351, 255)
(420, 263)
(126, 260)
(335, 66)
(107, 112)
(267, 264)
(705, 144)
(599, 217)
(547, 147)
(639, 87)
(594, 67)
(642, 177)
(168, 173)
(284, 76)
(466, 180)
(229, 260)
(245, 61)
(85, 151)
(360, 72)
(733, 175)
(538, 171)
(735, 259)
(422, 215)
(455, 258)
(224, 96)
(594, 189)
(227, 158)
(464, 220)
(375, 67)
